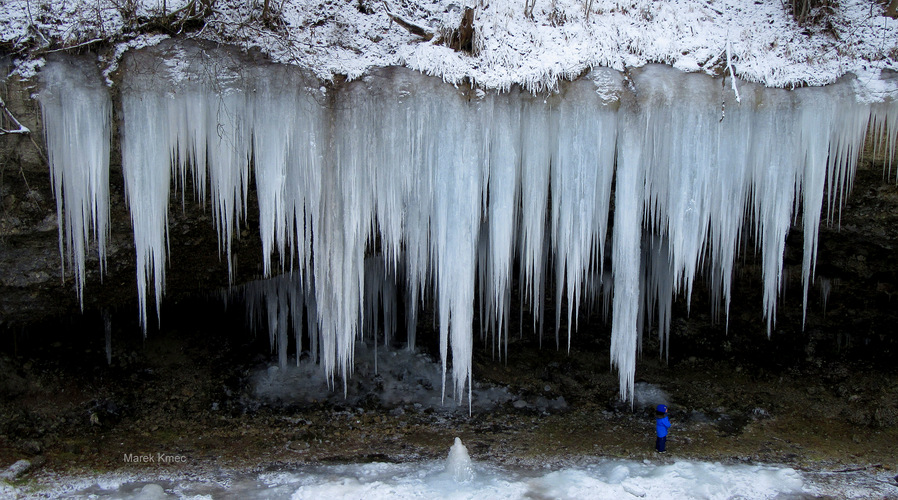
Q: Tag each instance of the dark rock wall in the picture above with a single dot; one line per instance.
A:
(30, 271)
(34, 287)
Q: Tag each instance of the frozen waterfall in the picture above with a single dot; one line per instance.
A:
(77, 116)
(400, 187)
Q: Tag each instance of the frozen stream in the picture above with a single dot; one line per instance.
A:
(458, 477)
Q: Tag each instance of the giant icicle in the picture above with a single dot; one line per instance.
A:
(397, 187)
(77, 116)
(581, 191)
(626, 249)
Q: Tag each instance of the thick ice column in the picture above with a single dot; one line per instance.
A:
(393, 146)
(343, 229)
(456, 226)
(539, 127)
(146, 163)
(402, 158)
(680, 157)
(581, 192)
(815, 117)
(272, 129)
(625, 258)
(225, 122)
(308, 144)
(77, 116)
(729, 190)
(391, 133)
(416, 228)
(504, 198)
(777, 165)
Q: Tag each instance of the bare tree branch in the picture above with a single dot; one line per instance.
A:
(413, 28)
(82, 44)
(8, 114)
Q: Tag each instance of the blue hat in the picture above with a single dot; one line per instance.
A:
(662, 408)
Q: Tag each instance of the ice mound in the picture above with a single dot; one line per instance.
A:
(458, 464)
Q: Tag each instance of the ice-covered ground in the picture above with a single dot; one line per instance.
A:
(757, 41)
(457, 477)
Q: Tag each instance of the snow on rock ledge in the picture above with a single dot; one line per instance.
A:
(553, 41)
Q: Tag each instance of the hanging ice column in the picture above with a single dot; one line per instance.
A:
(625, 258)
(426, 174)
(196, 115)
(77, 116)
(581, 174)
(708, 162)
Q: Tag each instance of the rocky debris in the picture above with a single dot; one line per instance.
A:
(20, 468)
(187, 389)
(15, 470)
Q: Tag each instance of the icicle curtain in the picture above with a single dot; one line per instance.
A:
(454, 185)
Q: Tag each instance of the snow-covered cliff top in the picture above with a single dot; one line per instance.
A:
(759, 41)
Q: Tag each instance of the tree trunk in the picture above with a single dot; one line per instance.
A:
(465, 40)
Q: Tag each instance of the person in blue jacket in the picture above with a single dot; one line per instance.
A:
(662, 425)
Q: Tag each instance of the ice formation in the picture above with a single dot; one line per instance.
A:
(77, 117)
(589, 478)
(400, 187)
(458, 463)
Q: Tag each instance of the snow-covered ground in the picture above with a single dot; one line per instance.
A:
(757, 41)
(458, 477)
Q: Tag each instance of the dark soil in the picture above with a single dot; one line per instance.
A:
(184, 391)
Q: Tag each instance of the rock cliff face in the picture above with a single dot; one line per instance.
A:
(37, 284)
(856, 269)
(61, 396)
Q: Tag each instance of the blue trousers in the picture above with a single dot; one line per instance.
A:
(661, 444)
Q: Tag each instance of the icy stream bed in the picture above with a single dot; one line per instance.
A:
(458, 477)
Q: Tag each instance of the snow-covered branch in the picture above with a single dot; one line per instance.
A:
(732, 72)
(7, 114)
(413, 28)
(82, 44)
